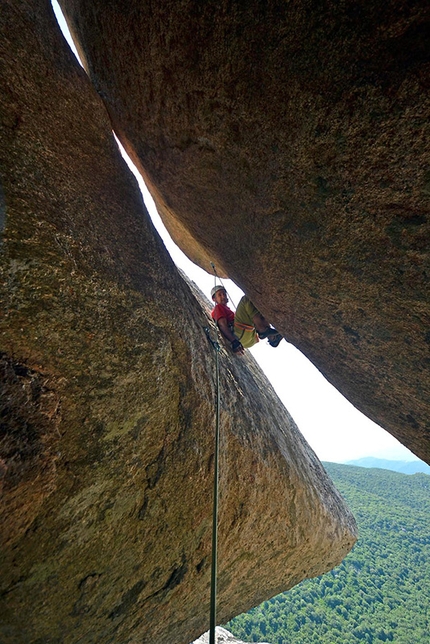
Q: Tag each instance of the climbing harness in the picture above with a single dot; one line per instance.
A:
(243, 328)
(212, 625)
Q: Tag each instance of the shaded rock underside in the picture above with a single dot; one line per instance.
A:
(289, 144)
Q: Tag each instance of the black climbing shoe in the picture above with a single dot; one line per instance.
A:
(274, 340)
(268, 333)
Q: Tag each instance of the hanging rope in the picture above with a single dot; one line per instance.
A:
(212, 625)
(216, 277)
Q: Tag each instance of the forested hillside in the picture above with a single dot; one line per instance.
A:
(380, 592)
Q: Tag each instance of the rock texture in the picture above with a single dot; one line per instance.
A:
(288, 142)
(107, 396)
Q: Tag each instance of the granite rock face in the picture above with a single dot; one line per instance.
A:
(288, 142)
(108, 390)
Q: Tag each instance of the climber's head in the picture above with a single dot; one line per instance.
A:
(219, 294)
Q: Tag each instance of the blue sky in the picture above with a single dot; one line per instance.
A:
(335, 429)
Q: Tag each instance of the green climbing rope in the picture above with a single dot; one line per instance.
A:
(213, 597)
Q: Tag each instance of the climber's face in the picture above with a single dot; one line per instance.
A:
(220, 297)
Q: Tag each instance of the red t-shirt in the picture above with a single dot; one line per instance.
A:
(222, 311)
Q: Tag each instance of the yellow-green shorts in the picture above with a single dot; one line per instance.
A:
(243, 323)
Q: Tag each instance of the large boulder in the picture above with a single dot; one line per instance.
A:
(108, 392)
(288, 142)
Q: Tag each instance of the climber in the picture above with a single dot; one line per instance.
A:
(244, 328)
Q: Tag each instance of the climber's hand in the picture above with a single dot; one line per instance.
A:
(237, 347)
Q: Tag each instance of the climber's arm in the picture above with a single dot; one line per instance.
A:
(229, 335)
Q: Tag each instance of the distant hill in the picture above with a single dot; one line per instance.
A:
(380, 592)
(405, 467)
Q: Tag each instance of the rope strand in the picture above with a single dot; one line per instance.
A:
(214, 562)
